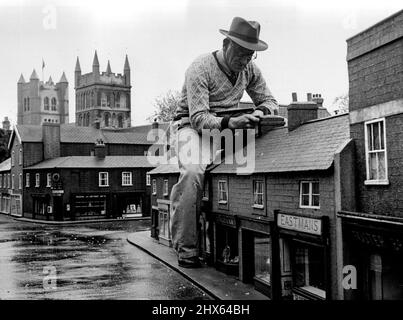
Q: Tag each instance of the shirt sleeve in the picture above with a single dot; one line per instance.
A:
(196, 80)
(260, 93)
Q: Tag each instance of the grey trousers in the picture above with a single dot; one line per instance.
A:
(187, 193)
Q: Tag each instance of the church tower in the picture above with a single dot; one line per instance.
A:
(40, 101)
(103, 99)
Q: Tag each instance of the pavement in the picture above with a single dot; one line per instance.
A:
(69, 222)
(217, 284)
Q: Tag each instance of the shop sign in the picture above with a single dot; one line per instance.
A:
(57, 191)
(229, 221)
(301, 224)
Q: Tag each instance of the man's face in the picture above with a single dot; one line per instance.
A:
(237, 57)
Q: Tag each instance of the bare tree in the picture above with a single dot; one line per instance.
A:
(165, 106)
(340, 104)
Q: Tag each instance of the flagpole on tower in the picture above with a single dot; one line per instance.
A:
(43, 67)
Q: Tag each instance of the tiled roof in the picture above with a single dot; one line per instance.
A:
(69, 133)
(29, 133)
(5, 165)
(171, 167)
(93, 162)
(309, 147)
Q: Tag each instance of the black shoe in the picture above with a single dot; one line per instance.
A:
(189, 263)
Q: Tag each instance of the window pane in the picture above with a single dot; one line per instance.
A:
(375, 130)
(369, 137)
(315, 201)
(305, 200)
(305, 188)
(315, 187)
(381, 165)
(381, 135)
(262, 258)
(372, 166)
(260, 199)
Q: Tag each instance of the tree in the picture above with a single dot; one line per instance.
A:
(165, 106)
(340, 104)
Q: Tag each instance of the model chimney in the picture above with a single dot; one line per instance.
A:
(100, 149)
(6, 124)
(300, 112)
(318, 99)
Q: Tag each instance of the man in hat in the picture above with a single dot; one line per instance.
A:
(213, 82)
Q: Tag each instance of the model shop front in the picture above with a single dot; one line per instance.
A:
(303, 251)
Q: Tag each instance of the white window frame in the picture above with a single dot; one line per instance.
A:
(103, 179)
(8, 180)
(127, 175)
(310, 194)
(27, 180)
(20, 158)
(1, 180)
(368, 181)
(154, 187)
(12, 181)
(148, 179)
(258, 205)
(12, 158)
(37, 180)
(20, 181)
(48, 180)
(166, 187)
(222, 191)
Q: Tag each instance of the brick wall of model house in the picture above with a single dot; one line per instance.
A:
(16, 165)
(172, 179)
(77, 180)
(381, 199)
(282, 193)
(376, 76)
(32, 153)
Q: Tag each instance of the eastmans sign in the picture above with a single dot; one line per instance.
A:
(301, 224)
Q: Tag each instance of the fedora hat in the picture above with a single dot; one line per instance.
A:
(246, 34)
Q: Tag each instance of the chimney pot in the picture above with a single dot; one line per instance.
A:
(100, 149)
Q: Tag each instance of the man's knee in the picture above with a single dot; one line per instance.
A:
(195, 172)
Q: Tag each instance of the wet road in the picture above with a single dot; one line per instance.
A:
(91, 261)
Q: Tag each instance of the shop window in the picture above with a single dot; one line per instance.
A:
(5, 181)
(309, 194)
(127, 179)
(103, 179)
(90, 205)
(258, 187)
(148, 179)
(262, 258)
(375, 152)
(164, 224)
(48, 180)
(222, 192)
(27, 178)
(308, 270)
(166, 189)
(37, 180)
(227, 249)
(154, 187)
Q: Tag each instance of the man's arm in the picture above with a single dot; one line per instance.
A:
(260, 93)
(198, 100)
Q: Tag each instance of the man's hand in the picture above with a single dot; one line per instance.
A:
(258, 113)
(245, 121)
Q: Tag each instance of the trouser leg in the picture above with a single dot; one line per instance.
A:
(186, 196)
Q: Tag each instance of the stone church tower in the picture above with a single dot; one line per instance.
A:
(40, 101)
(103, 99)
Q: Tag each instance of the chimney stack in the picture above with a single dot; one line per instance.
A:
(100, 149)
(301, 112)
(318, 99)
(6, 124)
(51, 140)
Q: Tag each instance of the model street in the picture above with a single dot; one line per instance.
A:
(83, 261)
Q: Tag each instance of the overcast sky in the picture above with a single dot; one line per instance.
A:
(307, 42)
